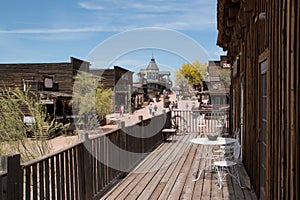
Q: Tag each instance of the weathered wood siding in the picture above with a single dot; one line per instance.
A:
(120, 81)
(275, 38)
(14, 75)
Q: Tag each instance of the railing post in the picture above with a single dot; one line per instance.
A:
(87, 166)
(124, 158)
(3, 163)
(142, 134)
(121, 124)
(14, 177)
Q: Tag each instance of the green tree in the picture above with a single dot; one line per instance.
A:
(15, 104)
(90, 100)
(103, 101)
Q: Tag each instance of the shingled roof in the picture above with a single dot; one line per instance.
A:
(152, 65)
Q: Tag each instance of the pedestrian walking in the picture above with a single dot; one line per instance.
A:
(150, 108)
(155, 108)
(121, 110)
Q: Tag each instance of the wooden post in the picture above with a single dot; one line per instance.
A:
(121, 124)
(129, 99)
(142, 134)
(2, 163)
(166, 124)
(14, 177)
(124, 159)
(86, 164)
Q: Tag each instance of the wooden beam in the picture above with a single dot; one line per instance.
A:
(230, 22)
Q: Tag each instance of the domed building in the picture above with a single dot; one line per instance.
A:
(154, 81)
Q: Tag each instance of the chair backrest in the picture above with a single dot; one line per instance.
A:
(224, 119)
(236, 134)
(236, 150)
(200, 119)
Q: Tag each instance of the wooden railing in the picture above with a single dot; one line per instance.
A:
(86, 169)
(214, 120)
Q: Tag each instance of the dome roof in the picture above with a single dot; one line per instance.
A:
(152, 65)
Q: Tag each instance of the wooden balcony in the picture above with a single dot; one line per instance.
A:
(168, 173)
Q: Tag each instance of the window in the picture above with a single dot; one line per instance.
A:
(263, 125)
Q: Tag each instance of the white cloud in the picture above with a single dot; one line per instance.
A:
(178, 15)
(90, 6)
(118, 16)
(62, 30)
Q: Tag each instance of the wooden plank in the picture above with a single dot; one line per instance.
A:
(28, 183)
(292, 104)
(144, 173)
(41, 180)
(189, 186)
(62, 176)
(52, 175)
(72, 174)
(237, 190)
(94, 166)
(158, 190)
(34, 182)
(67, 174)
(183, 177)
(198, 188)
(47, 179)
(76, 173)
(57, 178)
(206, 191)
(127, 181)
(297, 109)
(216, 193)
(164, 163)
(175, 180)
(171, 179)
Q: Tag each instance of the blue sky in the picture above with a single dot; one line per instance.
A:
(53, 31)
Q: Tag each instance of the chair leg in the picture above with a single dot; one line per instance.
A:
(237, 177)
(220, 177)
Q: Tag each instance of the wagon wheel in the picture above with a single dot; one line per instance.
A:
(179, 123)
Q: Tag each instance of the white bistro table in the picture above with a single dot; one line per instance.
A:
(207, 150)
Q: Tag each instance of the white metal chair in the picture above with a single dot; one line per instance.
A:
(228, 164)
(227, 150)
(201, 124)
(221, 123)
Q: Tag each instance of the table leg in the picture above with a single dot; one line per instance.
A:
(206, 166)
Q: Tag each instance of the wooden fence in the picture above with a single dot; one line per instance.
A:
(86, 169)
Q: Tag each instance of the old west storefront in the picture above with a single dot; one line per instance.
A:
(51, 82)
(262, 42)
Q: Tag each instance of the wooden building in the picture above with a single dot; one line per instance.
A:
(262, 42)
(213, 85)
(120, 81)
(52, 82)
(154, 80)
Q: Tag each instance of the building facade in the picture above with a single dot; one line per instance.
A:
(215, 84)
(51, 82)
(153, 80)
(119, 80)
(262, 43)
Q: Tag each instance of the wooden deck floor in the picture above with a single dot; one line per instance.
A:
(168, 173)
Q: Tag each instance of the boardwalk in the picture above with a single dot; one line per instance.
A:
(168, 172)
